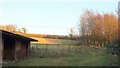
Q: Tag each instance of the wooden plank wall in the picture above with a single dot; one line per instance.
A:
(1, 48)
(21, 51)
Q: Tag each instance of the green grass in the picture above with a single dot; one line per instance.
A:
(78, 56)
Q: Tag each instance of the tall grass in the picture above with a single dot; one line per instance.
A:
(43, 51)
(77, 56)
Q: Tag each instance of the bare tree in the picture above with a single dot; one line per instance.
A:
(71, 33)
(24, 30)
(10, 27)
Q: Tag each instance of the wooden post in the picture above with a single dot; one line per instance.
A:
(16, 42)
(58, 46)
(1, 48)
(28, 50)
(46, 47)
(69, 48)
(36, 46)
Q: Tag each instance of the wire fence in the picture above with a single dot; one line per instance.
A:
(56, 50)
(114, 49)
(51, 50)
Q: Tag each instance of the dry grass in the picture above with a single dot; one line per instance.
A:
(55, 41)
(44, 41)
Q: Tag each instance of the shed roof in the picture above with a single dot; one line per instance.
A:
(45, 41)
(16, 36)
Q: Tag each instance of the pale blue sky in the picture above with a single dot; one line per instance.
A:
(50, 18)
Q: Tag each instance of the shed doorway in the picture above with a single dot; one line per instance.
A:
(9, 49)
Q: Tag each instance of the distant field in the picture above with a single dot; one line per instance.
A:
(78, 56)
(54, 41)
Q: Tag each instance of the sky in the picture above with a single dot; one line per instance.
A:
(50, 17)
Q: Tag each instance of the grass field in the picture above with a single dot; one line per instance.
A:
(78, 56)
(54, 41)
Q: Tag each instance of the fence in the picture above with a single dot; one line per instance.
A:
(45, 50)
(113, 48)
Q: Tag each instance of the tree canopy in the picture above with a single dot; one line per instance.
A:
(99, 27)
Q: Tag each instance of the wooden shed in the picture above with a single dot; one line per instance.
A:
(14, 46)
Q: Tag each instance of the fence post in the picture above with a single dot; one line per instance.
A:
(58, 46)
(69, 48)
(46, 47)
(36, 45)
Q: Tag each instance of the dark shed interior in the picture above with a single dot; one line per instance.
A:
(9, 49)
(15, 47)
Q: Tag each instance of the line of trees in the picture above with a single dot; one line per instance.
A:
(13, 28)
(100, 28)
(23, 31)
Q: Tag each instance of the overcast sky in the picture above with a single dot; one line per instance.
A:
(50, 16)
